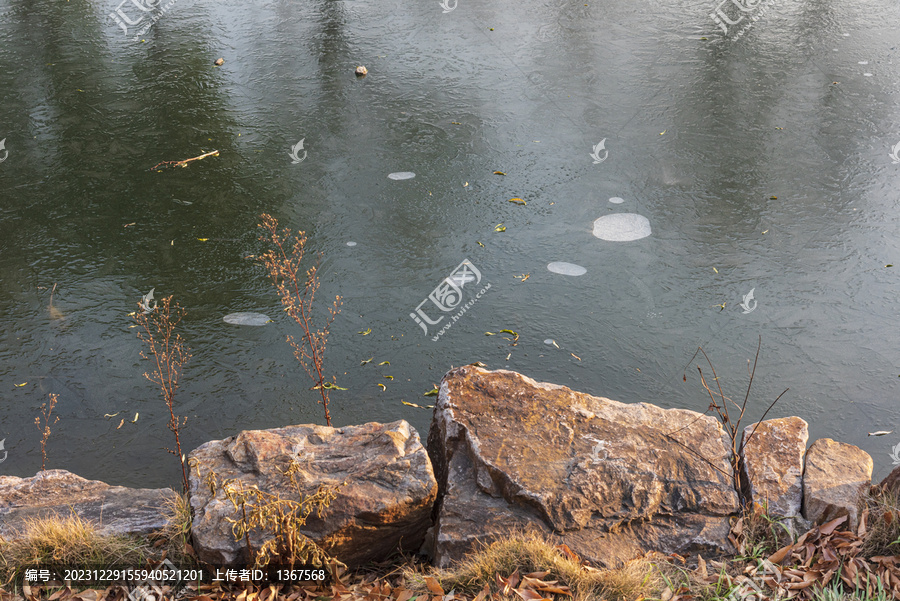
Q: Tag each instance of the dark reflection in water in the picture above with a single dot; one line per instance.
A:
(761, 163)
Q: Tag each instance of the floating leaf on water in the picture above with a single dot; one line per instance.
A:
(145, 302)
(576, 356)
(773, 198)
(500, 228)
(517, 201)
(480, 244)
(716, 270)
(202, 239)
(663, 132)
(109, 415)
(385, 363)
(416, 406)
(245, 318)
(766, 232)
(398, 175)
(889, 265)
(21, 385)
(466, 185)
(382, 386)
(130, 224)
(328, 386)
(134, 421)
(881, 433)
(622, 227)
(490, 334)
(389, 377)
(522, 277)
(366, 333)
(478, 364)
(551, 341)
(121, 423)
(455, 123)
(510, 332)
(364, 361)
(499, 173)
(564, 268)
(432, 392)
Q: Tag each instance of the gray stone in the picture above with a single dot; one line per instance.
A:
(385, 488)
(773, 464)
(836, 476)
(114, 510)
(610, 480)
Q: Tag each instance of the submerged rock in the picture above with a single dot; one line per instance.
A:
(385, 488)
(610, 480)
(114, 510)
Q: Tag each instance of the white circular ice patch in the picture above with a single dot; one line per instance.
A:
(566, 268)
(616, 200)
(401, 175)
(867, 75)
(863, 62)
(351, 244)
(622, 227)
(247, 319)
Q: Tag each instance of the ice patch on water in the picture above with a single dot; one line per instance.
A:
(247, 319)
(351, 244)
(401, 175)
(616, 200)
(566, 268)
(622, 227)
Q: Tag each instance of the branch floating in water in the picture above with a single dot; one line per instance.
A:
(184, 163)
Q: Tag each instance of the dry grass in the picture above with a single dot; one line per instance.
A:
(883, 524)
(530, 553)
(177, 532)
(72, 541)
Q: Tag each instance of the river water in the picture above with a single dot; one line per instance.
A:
(719, 162)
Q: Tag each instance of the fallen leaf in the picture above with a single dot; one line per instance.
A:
(130, 224)
(202, 239)
(576, 356)
(389, 377)
(366, 333)
(500, 228)
(517, 201)
(480, 244)
(121, 423)
(21, 385)
(134, 421)
(881, 433)
(109, 415)
(716, 270)
(364, 361)
(382, 386)
(490, 334)
(432, 392)
(663, 132)
(499, 173)
(765, 232)
(384, 363)
(433, 585)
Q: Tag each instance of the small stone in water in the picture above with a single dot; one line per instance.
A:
(401, 175)
(616, 200)
(361, 71)
(247, 319)
(566, 268)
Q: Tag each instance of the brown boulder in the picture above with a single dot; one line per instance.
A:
(835, 477)
(114, 510)
(773, 464)
(610, 480)
(386, 488)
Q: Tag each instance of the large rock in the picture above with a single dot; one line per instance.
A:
(386, 488)
(773, 464)
(114, 510)
(610, 480)
(835, 477)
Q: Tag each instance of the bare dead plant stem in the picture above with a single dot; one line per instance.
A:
(169, 354)
(719, 404)
(297, 294)
(46, 410)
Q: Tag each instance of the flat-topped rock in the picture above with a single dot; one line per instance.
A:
(385, 488)
(114, 510)
(836, 476)
(609, 479)
(773, 464)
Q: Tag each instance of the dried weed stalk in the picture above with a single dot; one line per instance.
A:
(168, 351)
(46, 410)
(297, 294)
